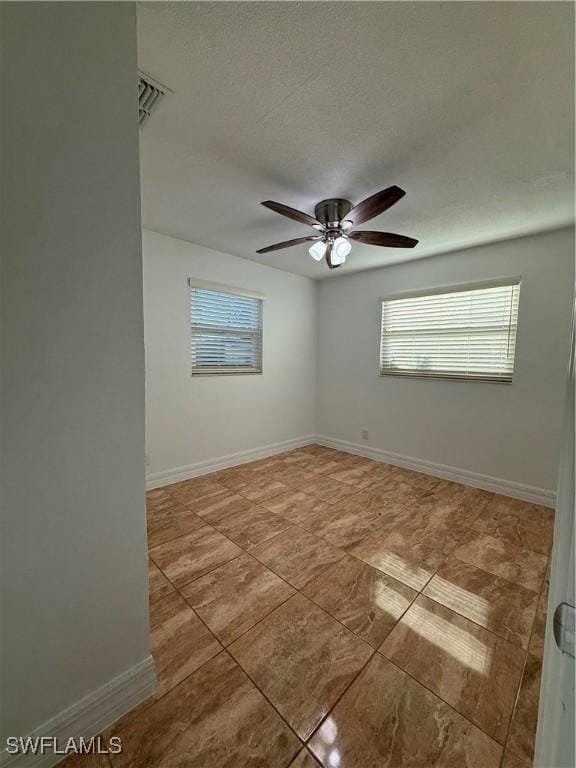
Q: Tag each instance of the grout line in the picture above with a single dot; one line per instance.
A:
(467, 618)
(261, 692)
(517, 697)
(346, 689)
(299, 591)
(226, 649)
(180, 535)
(340, 621)
(157, 699)
(224, 562)
(434, 693)
(154, 700)
(260, 620)
(497, 575)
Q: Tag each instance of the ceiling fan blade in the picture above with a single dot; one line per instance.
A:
(388, 239)
(374, 205)
(288, 243)
(291, 213)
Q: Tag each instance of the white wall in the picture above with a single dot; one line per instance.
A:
(196, 419)
(74, 584)
(510, 432)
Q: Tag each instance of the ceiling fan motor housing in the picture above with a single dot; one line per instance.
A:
(332, 211)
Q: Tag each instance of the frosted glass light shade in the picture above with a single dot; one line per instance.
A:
(317, 250)
(340, 250)
(337, 260)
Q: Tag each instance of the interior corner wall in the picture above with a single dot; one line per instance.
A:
(74, 570)
(198, 421)
(508, 432)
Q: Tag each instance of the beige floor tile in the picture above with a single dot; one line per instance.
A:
(366, 601)
(530, 514)
(505, 608)
(259, 489)
(225, 477)
(299, 508)
(364, 475)
(193, 555)
(394, 494)
(539, 629)
(296, 478)
(216, 718)
(323, 466)
(474, 500)
(496, 555)
(296, 515)
(409, 559)
(333, 522)
(419, 479)
(324, 451)
(215, 507)
(158, 498)
(251, 526)
(180, 641)
(524, 525)
(191, 492)
(522, 734)
(345, 529)
(199, 485)
(170, 522)
(513, 761)
(456, 504)
(236, 596)
(158, 584)
(298, 456)
(304, 759)
(302, 660)
(328, 489)
(413, 522)
(280, 460)
(87, 761)
(471, 669)
(366, 504)
(387, 720)
(296, 555)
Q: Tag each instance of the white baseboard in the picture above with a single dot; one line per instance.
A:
(530, 493)
(177, 474)
(91, 715)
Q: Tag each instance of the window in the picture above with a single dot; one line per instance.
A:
(463, 333)
(226, 330)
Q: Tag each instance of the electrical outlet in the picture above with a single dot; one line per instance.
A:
(147, 458)
(364, 434)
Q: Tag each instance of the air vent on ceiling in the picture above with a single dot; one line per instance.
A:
(150, 94)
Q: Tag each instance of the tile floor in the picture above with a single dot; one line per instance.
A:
(318, 608)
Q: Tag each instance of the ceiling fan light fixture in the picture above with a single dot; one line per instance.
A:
(336, 260)
(336, 220)
(318, 250)
(342, 247)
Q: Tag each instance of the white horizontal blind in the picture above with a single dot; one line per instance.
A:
(463, 334)
(226, 332)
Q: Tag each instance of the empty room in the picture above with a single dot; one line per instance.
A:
(287, 384)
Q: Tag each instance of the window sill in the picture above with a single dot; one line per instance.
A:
(446, 377)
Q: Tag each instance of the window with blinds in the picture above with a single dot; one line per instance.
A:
(226, 331)
(463, 333)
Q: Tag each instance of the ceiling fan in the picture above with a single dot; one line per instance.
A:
(336, 219)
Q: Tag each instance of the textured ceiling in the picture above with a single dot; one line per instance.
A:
(467, 106)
